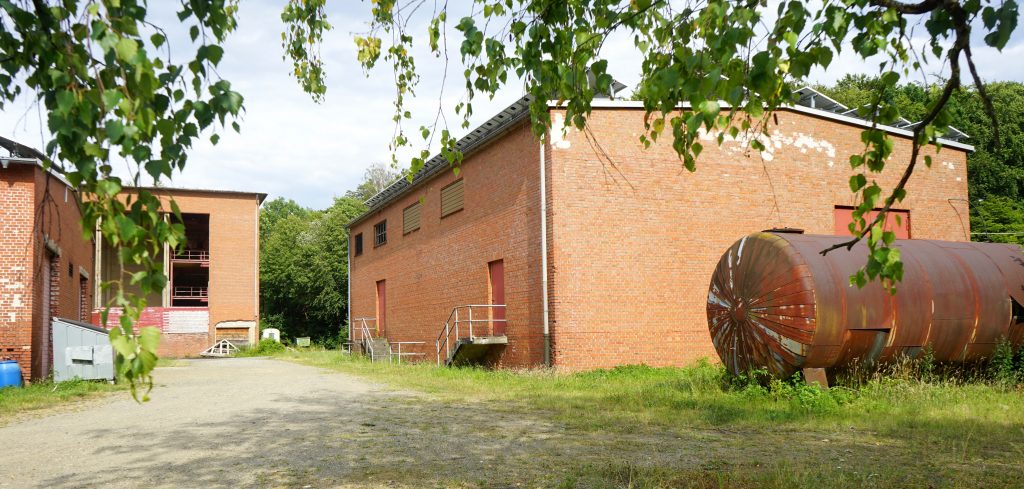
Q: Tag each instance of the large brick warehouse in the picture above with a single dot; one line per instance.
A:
(213, 283)
(605, 246)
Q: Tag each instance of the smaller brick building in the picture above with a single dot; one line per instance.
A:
(599, 251)
(45, 264)
(213, 288)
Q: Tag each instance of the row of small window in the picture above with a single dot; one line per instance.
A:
(451, 202)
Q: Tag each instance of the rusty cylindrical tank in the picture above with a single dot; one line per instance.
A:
(775, 302)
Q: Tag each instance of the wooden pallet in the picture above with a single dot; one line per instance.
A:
(222, 348)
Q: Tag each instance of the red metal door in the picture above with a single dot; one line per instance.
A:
(496, 275)
(896, 220)
(382, 314)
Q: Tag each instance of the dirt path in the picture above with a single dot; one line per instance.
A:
(254, 422)
(267, 423)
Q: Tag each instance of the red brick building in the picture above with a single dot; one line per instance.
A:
(213, 288)
(601, 250)
(45, 265)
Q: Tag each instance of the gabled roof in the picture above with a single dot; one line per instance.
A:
(810, 101)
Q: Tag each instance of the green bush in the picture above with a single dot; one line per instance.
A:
(263, 348)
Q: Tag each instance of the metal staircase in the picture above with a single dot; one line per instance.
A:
(378, 348)
(372, 345)
(467, 341)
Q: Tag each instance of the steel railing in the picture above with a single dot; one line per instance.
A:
(454, 326)
(365, 335)
(190, 292)
(193, 255)
(396, 357)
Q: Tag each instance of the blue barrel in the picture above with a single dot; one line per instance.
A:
(10, 374)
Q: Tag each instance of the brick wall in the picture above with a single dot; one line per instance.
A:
(184, 330)
(36, 207)
(635, 237)
(16, 300)
(444, 263)
(234, 262)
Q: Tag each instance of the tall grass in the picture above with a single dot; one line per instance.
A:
(705, 395)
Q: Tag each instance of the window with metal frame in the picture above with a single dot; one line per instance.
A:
(451, 198)
(358, 248)
(411, 218)
(380, 233)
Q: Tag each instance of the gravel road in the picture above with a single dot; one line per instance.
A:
(254, 422)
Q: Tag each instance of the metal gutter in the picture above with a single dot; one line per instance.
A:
(348, 291)
(544, 252)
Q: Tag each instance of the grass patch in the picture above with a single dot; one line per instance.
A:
(903, 430)
(42, 395)
(704, 395)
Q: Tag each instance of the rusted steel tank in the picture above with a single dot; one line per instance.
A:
(775, 302)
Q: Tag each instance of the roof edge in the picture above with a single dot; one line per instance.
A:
(259, 195)
(631, 104)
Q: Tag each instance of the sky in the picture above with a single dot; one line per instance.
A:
(293, 147)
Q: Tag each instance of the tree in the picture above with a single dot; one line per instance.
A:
(304, 268)
(376, 178)
(274, 211)
(718, 66)
(999, 219)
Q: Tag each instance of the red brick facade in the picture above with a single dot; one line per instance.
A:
(632, 236)
(444, 263)
(233, 289)
(42, 260)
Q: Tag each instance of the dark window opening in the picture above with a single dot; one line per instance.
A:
(71, 270)
(359, 244)
(190, 264)
(380, 233)
(197, 238)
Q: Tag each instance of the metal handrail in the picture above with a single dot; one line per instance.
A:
(364, 333)
(400, 354)
(453, 322)
(192, 255)
(190, 292)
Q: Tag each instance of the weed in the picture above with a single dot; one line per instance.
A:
(1004, 368)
